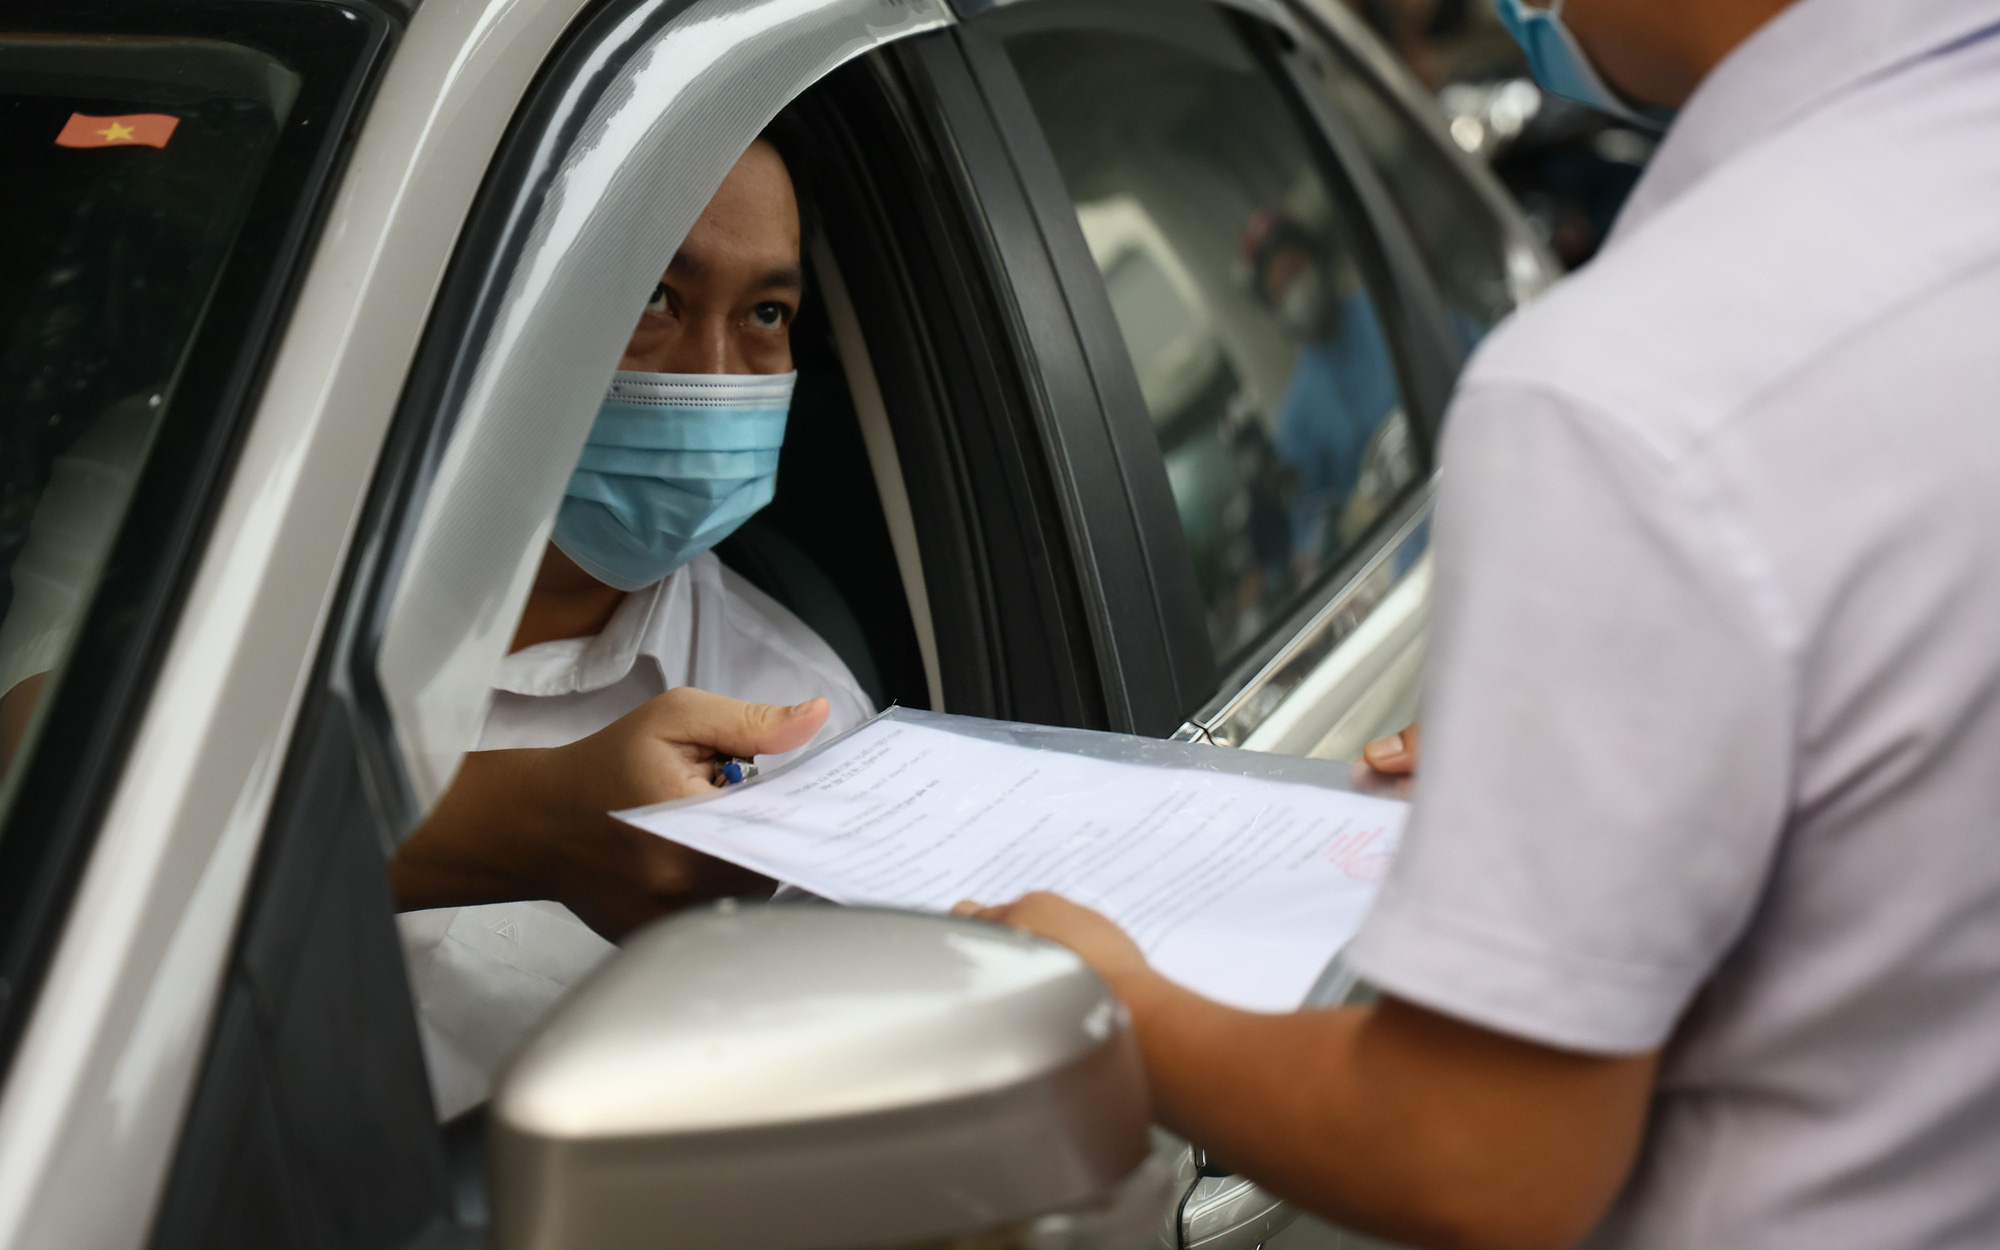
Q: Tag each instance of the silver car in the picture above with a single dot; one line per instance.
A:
(1129, 329)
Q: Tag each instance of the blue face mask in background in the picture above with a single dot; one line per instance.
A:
(675, 462)
(1559, 63)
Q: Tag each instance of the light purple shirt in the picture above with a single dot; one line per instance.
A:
(1712, 754)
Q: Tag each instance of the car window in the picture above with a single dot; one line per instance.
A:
(1458, 234)
(130, 162)
(1239, 283)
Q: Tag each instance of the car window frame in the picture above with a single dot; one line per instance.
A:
(50, 827)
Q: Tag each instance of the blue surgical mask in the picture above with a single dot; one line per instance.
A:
(674, 464)
(1560, 64)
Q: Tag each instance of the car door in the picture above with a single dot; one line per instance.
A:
(313, 1112)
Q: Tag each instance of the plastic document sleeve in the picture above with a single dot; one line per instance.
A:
(1240, 874)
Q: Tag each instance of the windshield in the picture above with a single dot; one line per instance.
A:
(163, 167)
(131, 163)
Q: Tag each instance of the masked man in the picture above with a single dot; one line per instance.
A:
(518, 883)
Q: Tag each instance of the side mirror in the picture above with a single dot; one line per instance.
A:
(800, 1077)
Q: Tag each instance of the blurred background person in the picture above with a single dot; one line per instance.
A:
(1343, 387)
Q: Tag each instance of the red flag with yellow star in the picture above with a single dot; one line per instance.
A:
(85, 131)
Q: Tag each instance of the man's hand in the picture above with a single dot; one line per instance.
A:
(529, 824)
(1103, 945)
(1395, 755)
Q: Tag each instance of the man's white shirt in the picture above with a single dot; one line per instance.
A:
(1712, 712)
(483, 976)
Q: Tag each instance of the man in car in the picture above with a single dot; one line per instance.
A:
(1694, 938)
(519, 882)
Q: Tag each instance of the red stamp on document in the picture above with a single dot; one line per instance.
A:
(1363, 854)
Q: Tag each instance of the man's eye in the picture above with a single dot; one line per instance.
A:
(658, 304)
(770, 315)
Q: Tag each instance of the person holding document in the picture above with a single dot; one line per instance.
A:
(517, 884)
(1694, 938)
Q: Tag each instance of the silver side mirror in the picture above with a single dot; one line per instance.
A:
(1223, 1212)
(798, 1077)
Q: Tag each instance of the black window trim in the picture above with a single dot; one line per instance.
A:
(52, 824)
(1149, 625)
(1008, 606)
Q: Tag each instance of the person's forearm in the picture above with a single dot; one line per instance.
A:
(477, 845)
(1384, 1122)
(1253, 1090)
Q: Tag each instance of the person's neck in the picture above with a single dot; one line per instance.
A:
(566, 602)
(1656, 52)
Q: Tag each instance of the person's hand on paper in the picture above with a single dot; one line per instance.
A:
(532, 824)
(1109, 951)
(1388, 765)
(1395, 755)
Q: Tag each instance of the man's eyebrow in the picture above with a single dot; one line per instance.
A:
(790, 278)
(785, 277)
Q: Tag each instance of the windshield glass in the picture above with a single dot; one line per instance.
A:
(131, 161)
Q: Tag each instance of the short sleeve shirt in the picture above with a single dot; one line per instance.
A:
(1712, 712)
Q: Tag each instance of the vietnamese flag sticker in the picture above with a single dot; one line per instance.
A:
(84, 131)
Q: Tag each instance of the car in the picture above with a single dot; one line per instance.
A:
(307, 307)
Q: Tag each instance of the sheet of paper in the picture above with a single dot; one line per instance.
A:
(1240, 888)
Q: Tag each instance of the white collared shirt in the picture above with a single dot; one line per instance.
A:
(483, 976)
(1712, 705)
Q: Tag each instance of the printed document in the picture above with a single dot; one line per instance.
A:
(1240, 887)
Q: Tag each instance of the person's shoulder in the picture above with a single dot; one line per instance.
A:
(1606, 344)
(1794, 249)
(1717, 305)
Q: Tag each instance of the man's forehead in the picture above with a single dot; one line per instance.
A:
(693, 266)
